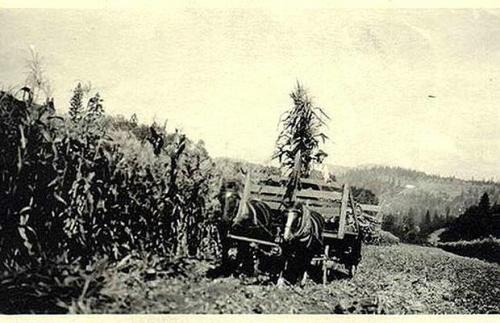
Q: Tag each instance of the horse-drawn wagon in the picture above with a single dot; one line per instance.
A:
(341, 235)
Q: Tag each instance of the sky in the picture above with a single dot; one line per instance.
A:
(416, 88)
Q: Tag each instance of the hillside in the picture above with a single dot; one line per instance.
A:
(400, 189)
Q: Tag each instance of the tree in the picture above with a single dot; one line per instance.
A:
(301, 132)
(389, 223)
(448, 216)
(484, 204)
(134, 121)
(410, 219)
(95, 107)
(427, 222)
(364, 196)
(438, 221)
(76, 105)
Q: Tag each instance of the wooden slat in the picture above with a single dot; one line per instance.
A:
(371, 217)
(306, 201)
(321, 183)
(273, 197)
(333, 196)
(327, 203)
(319, 204)
(330, 235)
(343, 211)
(333, 235)
(272, 204)
(326, 211)
(370, 208)
(332, 185)
(280, 191)
(266, 189)
(312, 194)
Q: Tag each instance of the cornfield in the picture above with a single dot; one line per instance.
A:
(88, 186)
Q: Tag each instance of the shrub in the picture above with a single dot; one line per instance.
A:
(486, 249)
(384, 238)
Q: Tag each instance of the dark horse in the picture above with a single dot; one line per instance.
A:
(303, 238)
(250, 220)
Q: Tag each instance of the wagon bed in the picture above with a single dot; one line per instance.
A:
(332, 200)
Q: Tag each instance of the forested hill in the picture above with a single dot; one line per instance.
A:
(402, 191)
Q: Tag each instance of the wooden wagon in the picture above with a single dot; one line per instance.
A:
(334, 201)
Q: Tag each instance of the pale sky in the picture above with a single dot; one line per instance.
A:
(224, 76)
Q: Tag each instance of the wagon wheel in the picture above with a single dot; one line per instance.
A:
(325, 264)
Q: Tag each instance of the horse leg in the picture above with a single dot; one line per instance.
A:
(226, 243)
(281, 279)
(238, 259)
(225, 264)
(305, 264)
(224, 252)
(244, 258)
(355, 258)
(304, 278)
(352, 270)
(285, 262)
(256, 262)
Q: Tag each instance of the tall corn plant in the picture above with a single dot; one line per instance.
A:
(36, 80)
(27, 179)
(300, 136)
(189, 176)
(196, 190)
(85, 169)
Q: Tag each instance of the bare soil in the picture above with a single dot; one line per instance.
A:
(400, 279)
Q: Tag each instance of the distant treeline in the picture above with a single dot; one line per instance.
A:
(411, 198)
(481, 220)
(478, 221)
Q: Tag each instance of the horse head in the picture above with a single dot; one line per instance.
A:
(254, 215)
(229, 198)
(294, 215)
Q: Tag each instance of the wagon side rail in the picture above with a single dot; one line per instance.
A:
(332, 203)
(315, 198)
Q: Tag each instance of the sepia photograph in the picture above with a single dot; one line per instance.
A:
(249, 160)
